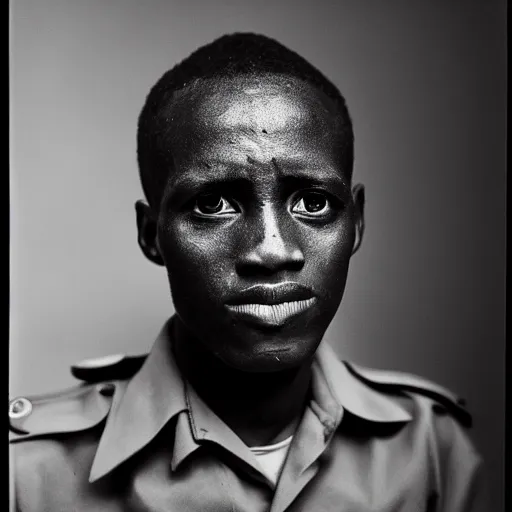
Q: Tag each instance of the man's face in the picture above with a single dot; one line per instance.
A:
(257, 223)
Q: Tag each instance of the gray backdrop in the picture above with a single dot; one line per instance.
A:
(425, 82)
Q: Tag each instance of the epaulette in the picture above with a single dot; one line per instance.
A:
(76, 409)
(71, 410)
(394, 380)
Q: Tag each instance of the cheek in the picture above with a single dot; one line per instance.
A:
(328, 255)
(195, 258)
(331, 245)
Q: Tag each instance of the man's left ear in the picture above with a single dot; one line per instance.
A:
(358, 196)
(147, 233)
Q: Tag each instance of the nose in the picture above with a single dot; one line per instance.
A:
(269, 246)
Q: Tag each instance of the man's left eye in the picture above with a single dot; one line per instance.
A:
(312, 203)
(213, 204)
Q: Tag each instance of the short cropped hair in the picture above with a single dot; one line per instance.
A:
(226, 57)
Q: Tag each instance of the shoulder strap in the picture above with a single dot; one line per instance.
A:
(76, 409)
(72, 410)
(405, 381)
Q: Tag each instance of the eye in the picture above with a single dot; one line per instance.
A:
(312, 204)
(213, 204)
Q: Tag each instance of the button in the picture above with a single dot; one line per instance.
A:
(439, 409)
(106, 389)
(19, 408)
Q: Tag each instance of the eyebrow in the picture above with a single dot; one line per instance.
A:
(240, 175)
(212, 176)
(300, 180)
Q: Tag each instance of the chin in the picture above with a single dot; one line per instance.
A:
(274, 355)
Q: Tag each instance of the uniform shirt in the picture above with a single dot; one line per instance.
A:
(141, 440)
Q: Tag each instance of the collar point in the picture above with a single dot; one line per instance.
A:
(94, 477)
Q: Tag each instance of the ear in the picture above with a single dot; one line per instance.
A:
(147, 232)
(358, 197)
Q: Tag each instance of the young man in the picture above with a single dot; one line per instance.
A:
(245, 153)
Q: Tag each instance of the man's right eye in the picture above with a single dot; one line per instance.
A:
(213, 204)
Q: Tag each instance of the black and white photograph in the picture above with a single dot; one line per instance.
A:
(257, 255)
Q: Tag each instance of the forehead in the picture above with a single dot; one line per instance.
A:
(261, 118)
(277, 96)
(264, 99)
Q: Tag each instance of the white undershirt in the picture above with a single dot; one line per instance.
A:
(272, 457)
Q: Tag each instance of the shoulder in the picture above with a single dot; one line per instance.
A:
(53, 437)
(76, 409)
(440, 419)
(438, 435)
(429, 398)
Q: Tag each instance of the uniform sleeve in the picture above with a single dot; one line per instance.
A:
(460, 468)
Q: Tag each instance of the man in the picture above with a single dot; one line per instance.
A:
(245, 153)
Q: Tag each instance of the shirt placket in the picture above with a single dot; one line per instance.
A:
(310, 441)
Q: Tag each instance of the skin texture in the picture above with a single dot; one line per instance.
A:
(256, 196)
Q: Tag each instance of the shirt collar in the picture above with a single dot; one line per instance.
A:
(141, 408)
(157, 393)
(332, 380)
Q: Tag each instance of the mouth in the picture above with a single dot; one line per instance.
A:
(271, 305)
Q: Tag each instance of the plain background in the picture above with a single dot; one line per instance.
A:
(425, 82)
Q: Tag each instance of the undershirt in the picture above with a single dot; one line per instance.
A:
(272, 457)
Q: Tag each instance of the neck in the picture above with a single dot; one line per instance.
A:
(261, 408)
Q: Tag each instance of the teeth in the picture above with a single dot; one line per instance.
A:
(274, 313)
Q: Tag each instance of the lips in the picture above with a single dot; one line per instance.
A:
(271, 305)
(272, 294)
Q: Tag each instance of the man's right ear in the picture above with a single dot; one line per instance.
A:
(147, 232)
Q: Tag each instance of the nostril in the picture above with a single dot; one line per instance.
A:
(262, 267)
